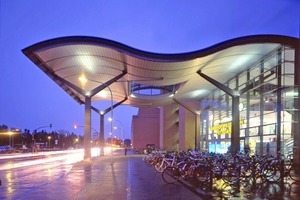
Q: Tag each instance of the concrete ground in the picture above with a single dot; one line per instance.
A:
(113, 178)
(128, 177)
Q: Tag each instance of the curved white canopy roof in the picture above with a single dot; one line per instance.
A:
(85, 65)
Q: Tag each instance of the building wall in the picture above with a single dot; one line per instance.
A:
(145, 128)
(169, 131)
(171, 127)
(188, 125)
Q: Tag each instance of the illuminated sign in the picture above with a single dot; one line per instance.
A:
(224, 128)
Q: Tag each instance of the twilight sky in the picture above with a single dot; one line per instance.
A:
(30, 99)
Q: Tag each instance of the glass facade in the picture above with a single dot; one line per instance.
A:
(267, 109)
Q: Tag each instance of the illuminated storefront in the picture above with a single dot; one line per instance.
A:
(267, 111)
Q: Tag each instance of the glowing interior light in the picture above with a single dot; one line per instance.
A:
(217, 121)
(291, 94)
(226, 119)
(88, 93)
(102, 94)
(83, 79)
(241, 106)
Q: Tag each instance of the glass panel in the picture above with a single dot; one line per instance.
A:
(242, 81)
(255, 72)
(232, 84)
(253, 131)
(242, 133)
(220, 103)
(269, 129)
(253, 141)
(254, 118)
(269, 118)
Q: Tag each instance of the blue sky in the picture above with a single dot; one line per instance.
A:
(30, 99)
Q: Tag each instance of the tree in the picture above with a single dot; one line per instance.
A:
(127, 142)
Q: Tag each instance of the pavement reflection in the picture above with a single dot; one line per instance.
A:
(219, 190)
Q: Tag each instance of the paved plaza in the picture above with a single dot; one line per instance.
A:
(128, 177)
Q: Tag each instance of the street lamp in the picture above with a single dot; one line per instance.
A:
(11, 136)
(122, 129)
(49, 137)
(76, 142)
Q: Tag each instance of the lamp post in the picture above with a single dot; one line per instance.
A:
(122, 129)
(34, 132)
(111, 117)
(75, 126)
(111, 136)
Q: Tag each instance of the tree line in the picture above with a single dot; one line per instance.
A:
(18, 139)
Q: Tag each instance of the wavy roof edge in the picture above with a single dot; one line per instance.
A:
(60, 41)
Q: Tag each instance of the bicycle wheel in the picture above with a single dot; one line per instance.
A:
(171, 175)
(271, 173)
(202, 174)
(230, 175)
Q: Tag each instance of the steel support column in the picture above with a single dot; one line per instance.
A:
(102, 114)
(87, 130)
(235, 125)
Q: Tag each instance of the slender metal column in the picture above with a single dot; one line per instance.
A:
(101, 136)
(261, 111)
(278, 113)
(279, 108)
(87, 130)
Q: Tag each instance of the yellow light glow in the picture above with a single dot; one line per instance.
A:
(83, 79)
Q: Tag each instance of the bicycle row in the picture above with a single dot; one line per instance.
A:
(231, 168)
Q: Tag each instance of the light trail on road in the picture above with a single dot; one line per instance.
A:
(68, 156)
(24, 174)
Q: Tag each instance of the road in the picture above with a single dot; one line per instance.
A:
(23, 174)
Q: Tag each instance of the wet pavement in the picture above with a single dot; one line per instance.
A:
(121, 177)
